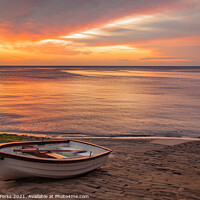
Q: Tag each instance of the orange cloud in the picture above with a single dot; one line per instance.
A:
(164, 59)
(46, 19)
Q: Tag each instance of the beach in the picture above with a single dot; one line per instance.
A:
(136, 169)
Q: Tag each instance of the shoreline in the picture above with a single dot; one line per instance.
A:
(63, 136)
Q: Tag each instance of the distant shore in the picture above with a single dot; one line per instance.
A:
(149, 169)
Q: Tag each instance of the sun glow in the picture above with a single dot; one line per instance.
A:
(74, 36)
(114, 47)
(92, 32)
(128, 21)
(51, 40)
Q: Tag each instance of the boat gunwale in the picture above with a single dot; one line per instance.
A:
(50, 160)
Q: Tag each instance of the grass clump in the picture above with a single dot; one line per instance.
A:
(15, 138)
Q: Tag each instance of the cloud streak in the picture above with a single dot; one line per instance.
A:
(156, 27)
(36, 19)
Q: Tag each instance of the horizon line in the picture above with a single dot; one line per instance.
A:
(99, 65)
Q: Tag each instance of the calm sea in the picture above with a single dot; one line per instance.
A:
(101, 101)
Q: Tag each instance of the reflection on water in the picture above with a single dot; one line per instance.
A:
(100, 101)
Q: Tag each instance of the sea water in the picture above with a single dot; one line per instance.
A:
(101, 101)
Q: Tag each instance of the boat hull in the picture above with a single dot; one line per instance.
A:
(13, 167)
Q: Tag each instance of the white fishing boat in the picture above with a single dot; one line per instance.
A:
(51, 159)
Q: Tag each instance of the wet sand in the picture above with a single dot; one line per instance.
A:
(137, 169)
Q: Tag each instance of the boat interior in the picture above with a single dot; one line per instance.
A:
(61, 150)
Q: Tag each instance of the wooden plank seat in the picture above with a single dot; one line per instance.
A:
(55, 155)
(43, 154)
(46, 153)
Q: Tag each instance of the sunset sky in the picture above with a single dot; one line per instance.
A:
(100, 32)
